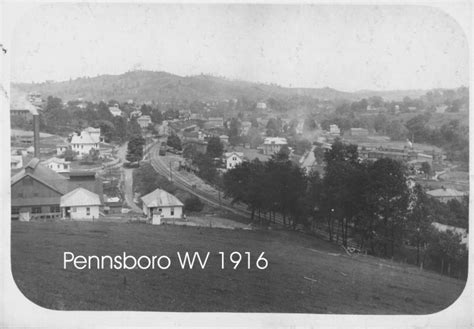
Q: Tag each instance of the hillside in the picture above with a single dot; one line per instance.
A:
(304, 274)
(161, 86)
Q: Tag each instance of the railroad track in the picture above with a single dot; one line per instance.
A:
(210, 199)
(162, 168)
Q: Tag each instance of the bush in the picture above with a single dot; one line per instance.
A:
(193, 204)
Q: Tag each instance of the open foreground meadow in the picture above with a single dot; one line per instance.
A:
(304, 274)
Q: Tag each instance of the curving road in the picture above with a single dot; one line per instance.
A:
(127, 180)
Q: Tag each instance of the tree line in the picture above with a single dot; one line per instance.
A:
(372, 204)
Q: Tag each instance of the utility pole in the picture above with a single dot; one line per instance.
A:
(220, 203)
(171, 174)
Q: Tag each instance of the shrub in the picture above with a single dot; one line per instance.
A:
(193, 203)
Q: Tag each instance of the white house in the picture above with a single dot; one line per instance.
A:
(232, 159)
(115, 111)
(16, 162)
(261, 105)
(446, 194)
(273, 145)
(160, 204)
(144, 121)
(84, 143)
(224, 139)
(58, 165)
(334, 130)
(135, 114)
(80, 204)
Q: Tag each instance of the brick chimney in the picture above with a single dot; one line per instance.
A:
(36, 135)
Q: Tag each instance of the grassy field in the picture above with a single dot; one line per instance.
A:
(339, 283)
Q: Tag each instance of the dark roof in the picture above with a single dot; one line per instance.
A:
(55, 181)
(43, 174)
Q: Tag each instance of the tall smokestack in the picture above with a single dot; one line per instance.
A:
(36, 135)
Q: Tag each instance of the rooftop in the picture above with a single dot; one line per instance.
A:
(445, 192)
(161, 198)
(275, 140)
(80, 197)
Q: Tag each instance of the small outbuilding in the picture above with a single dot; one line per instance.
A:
(80, 204)
(160, 204)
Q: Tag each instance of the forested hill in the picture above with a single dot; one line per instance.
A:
(161, 86)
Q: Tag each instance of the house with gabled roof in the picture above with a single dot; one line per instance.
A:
(80, 204)
(232, 159)
(36, 190)
(160, 204)
(59, 165)
(85, 142)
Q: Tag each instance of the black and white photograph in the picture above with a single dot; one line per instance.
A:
(238, 158)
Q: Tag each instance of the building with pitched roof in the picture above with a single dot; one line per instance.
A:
(80, 204)
(273, 145)
(144, 121)
(36, 190)
(446, 194)
(20, 106)
(58, 165)
(85, 142)
(160, 204)
(232, 159)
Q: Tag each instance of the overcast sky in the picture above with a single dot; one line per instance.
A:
(344, 47)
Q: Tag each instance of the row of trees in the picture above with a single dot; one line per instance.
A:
(373, 204)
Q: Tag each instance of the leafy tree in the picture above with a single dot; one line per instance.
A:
(69, 155)
(120, 129)
(341, 152)
(174, 142)
(388, 190)
(234, 131)
(274, 127)
(206, 167)
(446, 251)
(193, 203)
(133, 128)
(381, 123)
(426, 169)
(135, 148)
(107, 129)
(190, 151)
(156, 116)
(214, 147)
(396, 130)
(419, 220)
(319, 154)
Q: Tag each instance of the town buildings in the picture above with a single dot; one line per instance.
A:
(232, 159)
(21, 106)
(36, 190)
(334, 130)
(115, 111)
(16, 162)
(57, 164)
(144, 121)
(446, 194)
(273, 145)
(358, 132)
(85, 142)
(214, 122)
(159, 205)
(80, 204)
